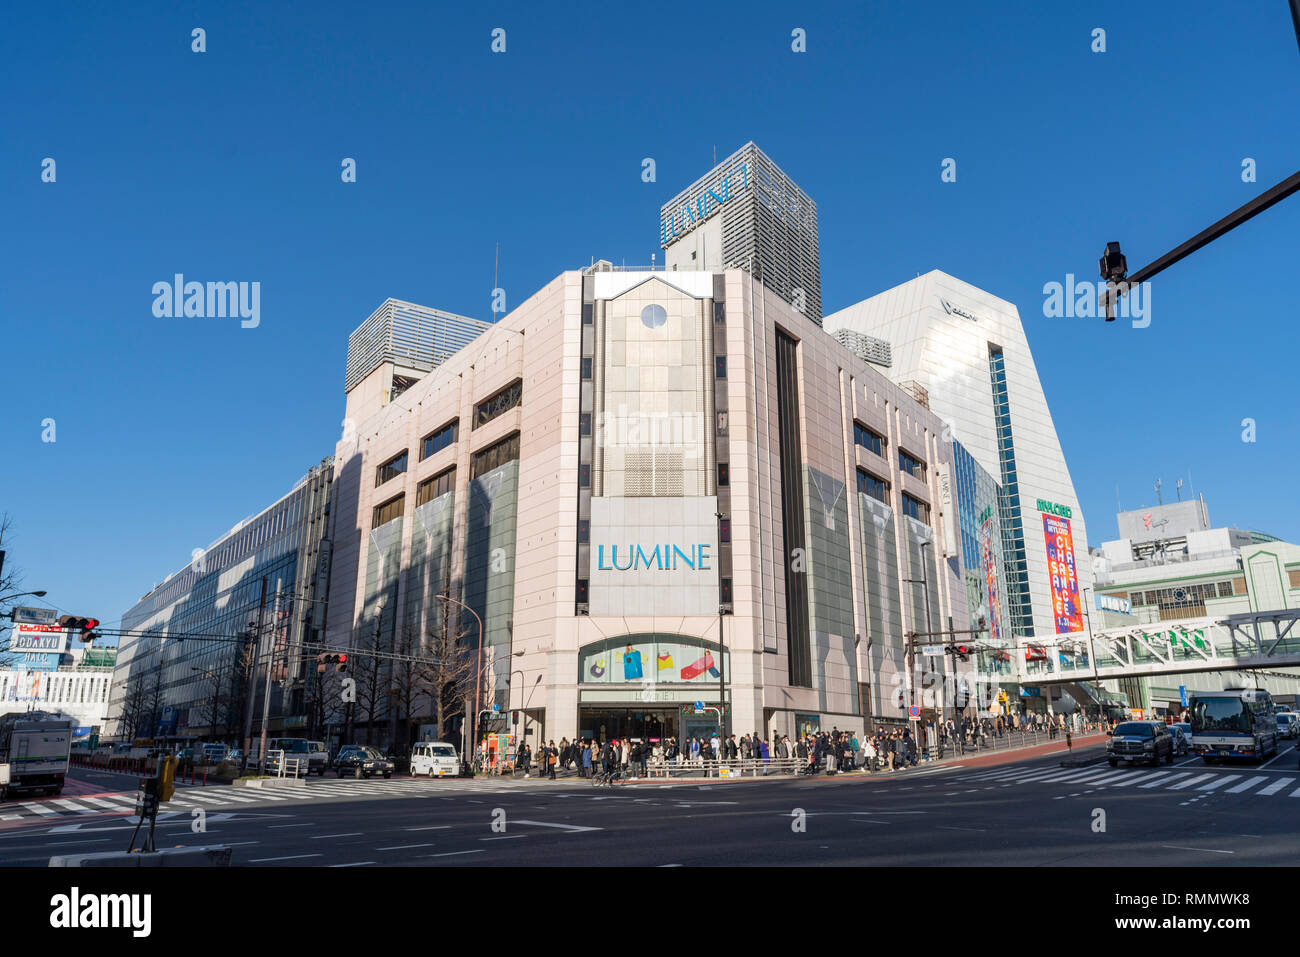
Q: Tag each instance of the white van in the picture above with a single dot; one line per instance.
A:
(437, 759)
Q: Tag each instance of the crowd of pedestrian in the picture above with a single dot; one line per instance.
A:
(888, 748)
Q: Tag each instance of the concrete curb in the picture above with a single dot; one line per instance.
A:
(216, 855)
(271, 783)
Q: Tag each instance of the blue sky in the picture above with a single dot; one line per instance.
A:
(225, 166)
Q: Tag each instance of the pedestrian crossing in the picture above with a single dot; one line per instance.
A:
(227, 797)
(1250, 782)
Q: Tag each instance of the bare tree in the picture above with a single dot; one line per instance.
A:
(134, 699)
(323, 699)
(447, 670)
(11, 584)
(369, 672)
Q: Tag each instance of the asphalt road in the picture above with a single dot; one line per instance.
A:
(1025, 813)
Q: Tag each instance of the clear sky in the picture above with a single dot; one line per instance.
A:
(225, 166)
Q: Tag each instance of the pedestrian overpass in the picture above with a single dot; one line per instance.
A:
(1243, 642)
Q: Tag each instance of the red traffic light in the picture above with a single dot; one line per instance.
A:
(339, 661)
(74, 623)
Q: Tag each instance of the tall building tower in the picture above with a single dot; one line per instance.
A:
(746, 213)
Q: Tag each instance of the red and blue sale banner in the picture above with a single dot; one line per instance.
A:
(1065, 579)
(991, 580)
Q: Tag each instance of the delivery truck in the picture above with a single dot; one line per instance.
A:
(34, 752)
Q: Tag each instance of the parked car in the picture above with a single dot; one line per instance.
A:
(1288, 724)
(362, 763)
(435, 758)
(1182, 740)
(318, 758)
(214, 753)
(288, 750)
(1134, 741)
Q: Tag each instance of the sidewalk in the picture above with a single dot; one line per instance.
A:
(981, 758)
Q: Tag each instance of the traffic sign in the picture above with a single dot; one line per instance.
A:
(914, 711)
(1182, 694)
(932, 651)
(699, 706)
(35, 616)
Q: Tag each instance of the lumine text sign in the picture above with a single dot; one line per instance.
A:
(625, 558)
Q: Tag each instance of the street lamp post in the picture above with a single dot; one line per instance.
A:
(723, 718)
(924, 582)
(471, 724)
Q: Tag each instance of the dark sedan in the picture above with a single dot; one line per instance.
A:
(362, 763)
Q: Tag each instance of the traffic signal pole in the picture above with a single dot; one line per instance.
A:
(252, 685)
(1121, 284)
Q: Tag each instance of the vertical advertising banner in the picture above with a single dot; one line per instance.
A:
(991, 580)
(1065, 580)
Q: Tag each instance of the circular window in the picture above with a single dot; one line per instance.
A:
(653, 316)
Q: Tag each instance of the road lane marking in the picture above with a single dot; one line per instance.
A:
(323, 837)
(1219, 782)
(478, 850)
(574, 828)
(1207, 850)
(1273, 788)
(401, 847)
(272, 827)
(431, 827)
(1245, 785)
(503, 837)
(291, 857)
(39, 809)
(354, 864)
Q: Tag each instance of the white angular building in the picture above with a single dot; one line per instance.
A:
(963, 351)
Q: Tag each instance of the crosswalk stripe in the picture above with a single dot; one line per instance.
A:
(1069, 775)
(1247, 784)
(1164, 778)
(1132, 777)
(1295, 793)
(1109, 775)
(1182, 784)
(39, 809)
(1036, 775)
(1218, 782)
(70, 805)
(1103, 772)
(1273, 788)
(100, 802)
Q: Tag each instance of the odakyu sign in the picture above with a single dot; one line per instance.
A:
(686, 217)
(650, 659)
(666, 557)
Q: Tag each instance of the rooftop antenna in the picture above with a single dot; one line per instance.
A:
(496, 268)
(715, 154)
(1159, 500)
(1179, 487)
(1118, 505)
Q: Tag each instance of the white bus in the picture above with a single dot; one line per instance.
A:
(1233, 723)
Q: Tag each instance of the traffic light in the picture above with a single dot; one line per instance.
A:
(83, 625)
(166, 776)
(339, 661)
(962, 652)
